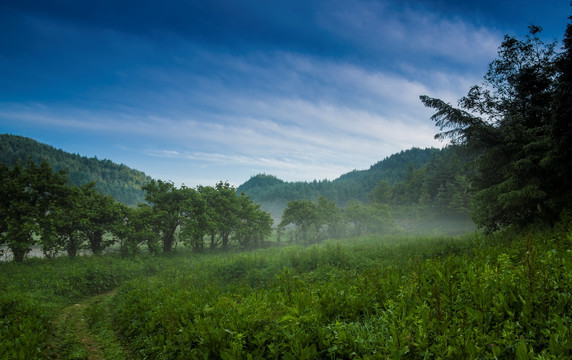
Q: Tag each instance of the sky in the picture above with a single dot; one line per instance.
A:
(197, 92)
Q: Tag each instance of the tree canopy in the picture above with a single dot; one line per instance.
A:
(118, 180)
(516, 124)
(39, 207)
(28, 195)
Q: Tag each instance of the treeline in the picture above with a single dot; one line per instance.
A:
(39, 207)
(354, 185)
(121, 182)
(307, 222)
(417, 185)
(436, 192)
(441, 185)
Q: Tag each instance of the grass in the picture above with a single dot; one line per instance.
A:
(503, 296)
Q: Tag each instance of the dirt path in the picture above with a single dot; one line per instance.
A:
(74, 339)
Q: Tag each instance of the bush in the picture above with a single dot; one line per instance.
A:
(24, 327)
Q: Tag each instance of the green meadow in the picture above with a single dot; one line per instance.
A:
(502, 296)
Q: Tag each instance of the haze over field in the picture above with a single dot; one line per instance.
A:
(197, 92)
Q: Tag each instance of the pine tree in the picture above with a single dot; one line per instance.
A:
(510, 123)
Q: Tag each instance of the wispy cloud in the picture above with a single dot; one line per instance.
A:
(298, 89)
(402, 30)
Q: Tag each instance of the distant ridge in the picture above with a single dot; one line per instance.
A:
(118, 180)
(274, 193)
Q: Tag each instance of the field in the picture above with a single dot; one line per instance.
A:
(505, 296)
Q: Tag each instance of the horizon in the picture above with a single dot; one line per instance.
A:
(197, 93)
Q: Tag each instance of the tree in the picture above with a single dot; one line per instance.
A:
(63, 225)
(254, 223)
(370, 219)
(208, 223)
(507, 123)
(328, 215)
(560, 161)
(222, 212)
(198, 223)
(222, 215)
(78, 216)
(136, 229)
(226, 209)
(27, 194)
(381, 194)
(100, 213)
(170, 207)
(301, 213)
(305, 214)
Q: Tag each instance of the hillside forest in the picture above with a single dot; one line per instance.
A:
(118, 180)
(350, 274)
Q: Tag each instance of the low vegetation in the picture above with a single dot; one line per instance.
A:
(501, 296)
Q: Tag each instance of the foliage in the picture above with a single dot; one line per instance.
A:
(511, 124)
(23, 327)
(170, 207)
(308, 216)
(274, 194)
(136, 230)
(216, 212)
(301, 213)
(254, 224)
(37, 206)
(561, 127)
(119, 181)
(412, 298)
(101, 215)
(369, 219)
(435, 180)
(81, 217)
(502, 296)
(442, 183)
(313, 222)
(27, 193)
(33, 292)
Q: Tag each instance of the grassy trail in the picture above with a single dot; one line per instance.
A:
(74, 338)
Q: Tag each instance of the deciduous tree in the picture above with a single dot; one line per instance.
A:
(301, 213)
(27, 195)
(170, 208)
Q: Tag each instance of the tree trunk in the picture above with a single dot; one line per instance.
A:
(167, 243)
(72, 246)
(95, 242)
(225, 240)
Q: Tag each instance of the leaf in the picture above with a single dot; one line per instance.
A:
(521, 351)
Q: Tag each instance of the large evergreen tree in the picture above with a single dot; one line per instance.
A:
(510, 123)
(561, 128)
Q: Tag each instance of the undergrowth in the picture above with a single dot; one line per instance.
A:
(501, 296)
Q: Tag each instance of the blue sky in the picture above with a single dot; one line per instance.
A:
(200, 91)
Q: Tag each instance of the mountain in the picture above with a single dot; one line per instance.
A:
(118, 180)
(274, 193)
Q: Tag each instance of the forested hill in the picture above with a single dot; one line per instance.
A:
(274, 193)
(118, 180)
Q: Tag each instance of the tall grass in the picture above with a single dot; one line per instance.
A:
(504, 296)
